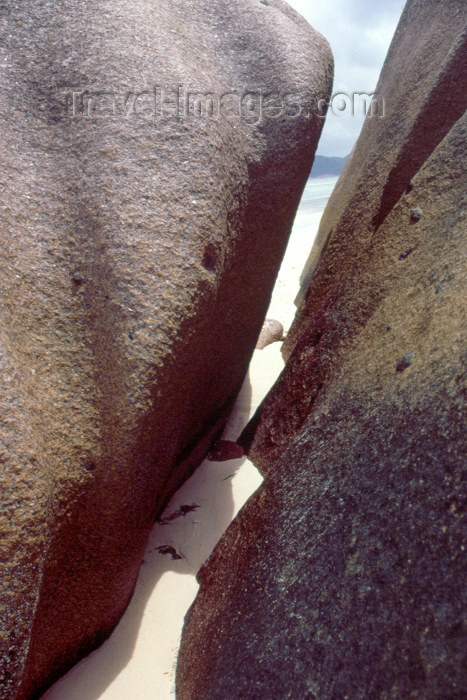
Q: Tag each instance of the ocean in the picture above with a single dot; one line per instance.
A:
(314, 200)
(317, 192)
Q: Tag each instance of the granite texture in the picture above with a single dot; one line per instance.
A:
(139, 248)
(342, 577)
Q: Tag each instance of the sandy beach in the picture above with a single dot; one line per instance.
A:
(139, 659)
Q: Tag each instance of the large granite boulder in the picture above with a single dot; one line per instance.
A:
(155, 155)
(409, 122)
(342, 576)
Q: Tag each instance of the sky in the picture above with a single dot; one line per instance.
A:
(360, 32)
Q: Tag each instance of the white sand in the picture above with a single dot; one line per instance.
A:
(282, 307)
(138, 661)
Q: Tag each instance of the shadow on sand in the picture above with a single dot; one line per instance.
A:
(149, 633)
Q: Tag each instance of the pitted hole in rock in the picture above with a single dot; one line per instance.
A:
(77, 279)
(415, 215)
(405, 254)
(315, 338)
(210, 258)
(405, 362)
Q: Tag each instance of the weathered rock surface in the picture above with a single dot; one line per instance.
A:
(271, 332)
(417, 118)
(139, 249)
(342, 576)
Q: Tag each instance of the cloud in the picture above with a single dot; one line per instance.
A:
(360, 32)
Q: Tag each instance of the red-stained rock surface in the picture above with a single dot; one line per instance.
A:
(343, 576)
(139, 247)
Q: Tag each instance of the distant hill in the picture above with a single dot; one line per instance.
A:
(325, 165)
